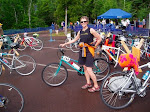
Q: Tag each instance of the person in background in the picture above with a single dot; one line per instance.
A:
(127, 22)
(144, 23)
(86, 57)
(1, 30)
(62, 25)
(56, 28)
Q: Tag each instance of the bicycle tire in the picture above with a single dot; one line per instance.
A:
(112, 97)
(67, 46)
(48, 74)
(102, 54)
(22, 45)
(29, 62)
(101, 68)
(74, 47)
(11, 97)
(37, 44)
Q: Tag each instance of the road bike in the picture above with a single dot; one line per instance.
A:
(23, 64)
(55, 74)
(74, 46)
(31, 42)
(113, 55)
(118, 89)
(11, 99)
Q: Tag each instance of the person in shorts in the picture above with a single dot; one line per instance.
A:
(86, 55)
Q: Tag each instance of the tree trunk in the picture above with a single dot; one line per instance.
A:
(15, 15)
(66, 22)
(29, 13)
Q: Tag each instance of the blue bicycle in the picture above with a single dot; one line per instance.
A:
(55, 74)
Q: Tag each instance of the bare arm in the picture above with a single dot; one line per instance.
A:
(71, 41)
(97, 36)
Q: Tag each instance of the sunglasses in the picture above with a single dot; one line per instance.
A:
(83, 21)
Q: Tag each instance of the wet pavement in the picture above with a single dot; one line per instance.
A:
(68, 97)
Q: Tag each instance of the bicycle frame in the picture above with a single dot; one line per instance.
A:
(12, 62)
(105, 48)
(133, 76)
(29, 41)
(66, 60)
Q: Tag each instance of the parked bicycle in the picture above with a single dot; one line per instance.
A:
(31, 42)
(24, 64)
(55, 74)
(11, 99)
(74, 46)
(119, 88)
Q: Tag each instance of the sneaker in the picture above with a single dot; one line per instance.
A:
(94, 89)
(86, 86)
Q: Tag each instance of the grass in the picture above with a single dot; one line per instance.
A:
(59, 34)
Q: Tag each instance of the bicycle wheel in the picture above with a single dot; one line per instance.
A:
(101, 54)
(112, 93)
(101, 68)
(27, 65)
(51, 78)
(75, 47)
(67, 40)
(11, 99)
(22, 45)
(37, 44)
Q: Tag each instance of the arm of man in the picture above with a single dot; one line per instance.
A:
(97, 36)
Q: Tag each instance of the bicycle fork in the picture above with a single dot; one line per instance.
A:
(55, 74)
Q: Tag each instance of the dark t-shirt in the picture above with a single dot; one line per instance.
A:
(86, 36)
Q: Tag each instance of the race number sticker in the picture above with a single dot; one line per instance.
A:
(65, 58)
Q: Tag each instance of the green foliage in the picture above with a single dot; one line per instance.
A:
(14, 14)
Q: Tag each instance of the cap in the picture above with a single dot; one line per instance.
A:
(1, 24)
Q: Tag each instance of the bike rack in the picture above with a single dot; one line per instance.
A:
(51, 40)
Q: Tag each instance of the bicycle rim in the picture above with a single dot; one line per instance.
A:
(29, 65)
(102, 54)
(37, 44)
(50, 77)
(101, 68)
(67, 46)
(114, 97)
(12, 97)
(74, 47)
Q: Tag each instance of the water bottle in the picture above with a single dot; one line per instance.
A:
(145, 76)
(75, 65)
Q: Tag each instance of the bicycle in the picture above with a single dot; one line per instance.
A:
(74, 46)
(114, 56)
(55, 74)
(119, 88)
(31, 42)
(24, 64)
(145, 52)
(11, 99)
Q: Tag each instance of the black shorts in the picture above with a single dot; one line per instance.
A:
(88, 60)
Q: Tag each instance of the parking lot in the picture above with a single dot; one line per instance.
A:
(68, 97)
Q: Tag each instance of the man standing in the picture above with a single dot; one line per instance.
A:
(1, 30)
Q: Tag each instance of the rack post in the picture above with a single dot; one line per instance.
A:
(51, 40)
